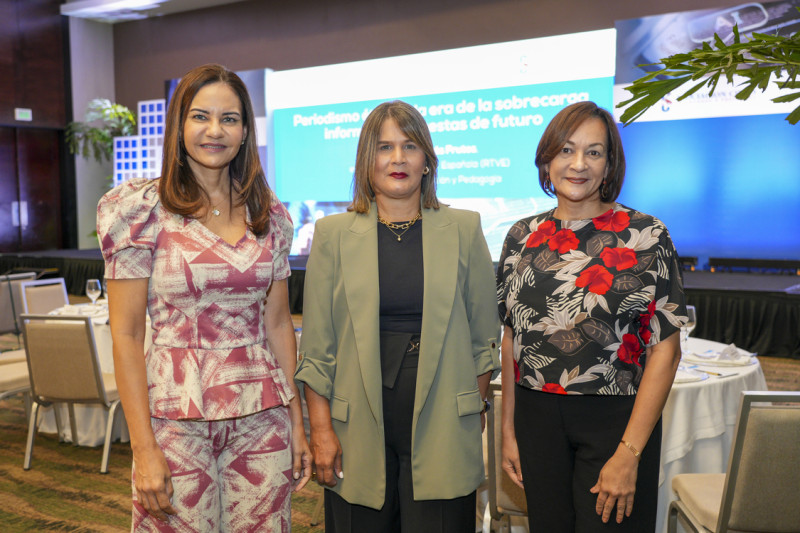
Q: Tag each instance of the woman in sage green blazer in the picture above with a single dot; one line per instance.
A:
(396, 434)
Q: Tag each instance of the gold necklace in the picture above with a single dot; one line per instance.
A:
(405, 226)
(215, 210)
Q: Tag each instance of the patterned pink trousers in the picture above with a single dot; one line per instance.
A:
(228, 475)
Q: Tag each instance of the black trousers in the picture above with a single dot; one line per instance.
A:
(400, 512)
(564, 441)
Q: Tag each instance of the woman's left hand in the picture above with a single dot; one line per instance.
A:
(301, 459)
(616, 485)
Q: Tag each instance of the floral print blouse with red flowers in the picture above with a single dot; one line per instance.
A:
(585, 298)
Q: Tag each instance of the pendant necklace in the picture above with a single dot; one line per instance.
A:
(404, 227)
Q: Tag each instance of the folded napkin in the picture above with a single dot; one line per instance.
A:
(729, 356)
(82, 310)
(688, 376)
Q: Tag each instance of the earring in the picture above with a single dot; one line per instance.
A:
(604, 190)
(548, 185)
(425, 172)
(243, 142)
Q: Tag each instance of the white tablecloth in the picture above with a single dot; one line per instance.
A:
(91, 419)
(698, 422)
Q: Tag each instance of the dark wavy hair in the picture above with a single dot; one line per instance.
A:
(413, 125)
(179, 191)
(561, 129)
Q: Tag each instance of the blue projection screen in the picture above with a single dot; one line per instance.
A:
(486, 107)
(485, 139)
(723, 174)
(725, 187)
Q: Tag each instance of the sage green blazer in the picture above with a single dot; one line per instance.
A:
(340, 351)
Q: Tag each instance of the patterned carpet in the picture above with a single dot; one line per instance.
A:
(64, 490)
(782, 374)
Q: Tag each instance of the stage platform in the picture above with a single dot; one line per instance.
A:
(75, 266)
(741, 281)
(758, 312)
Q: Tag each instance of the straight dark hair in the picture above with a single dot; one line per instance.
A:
(178, 189)
(413, 125)
(562, 127)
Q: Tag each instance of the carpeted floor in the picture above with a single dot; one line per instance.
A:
(782, 374)
(64, 490)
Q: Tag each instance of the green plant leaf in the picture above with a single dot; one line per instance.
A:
(93, 138)
(786, 98)
(756, 59)
(794, 116)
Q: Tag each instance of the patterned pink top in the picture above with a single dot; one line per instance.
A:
(209, 359)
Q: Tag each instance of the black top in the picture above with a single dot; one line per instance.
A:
(401, 279)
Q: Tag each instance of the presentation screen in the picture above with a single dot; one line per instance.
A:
(486, 107)
(723, 174)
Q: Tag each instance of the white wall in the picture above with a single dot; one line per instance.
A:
(92, 58)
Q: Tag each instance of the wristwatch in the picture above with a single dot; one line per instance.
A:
(487, 406)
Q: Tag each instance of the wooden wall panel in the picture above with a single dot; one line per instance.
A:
(33, 62)
(8, 53)
(38, 170)
(9, 190)
(285, 35)
(40, 81)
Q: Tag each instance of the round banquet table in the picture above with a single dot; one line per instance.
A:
(699, 419)
(91, 419)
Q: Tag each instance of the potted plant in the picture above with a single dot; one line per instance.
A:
(94, 137)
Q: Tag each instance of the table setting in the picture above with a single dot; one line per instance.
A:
(98, 311)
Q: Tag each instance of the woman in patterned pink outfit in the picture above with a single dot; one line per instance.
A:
(214, 416)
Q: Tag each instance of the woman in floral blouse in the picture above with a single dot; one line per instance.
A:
(592, 300)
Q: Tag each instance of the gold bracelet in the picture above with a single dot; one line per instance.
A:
(636, 453)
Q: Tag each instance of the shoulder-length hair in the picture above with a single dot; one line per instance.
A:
(413, 125)
(561, 129)
(179, 190)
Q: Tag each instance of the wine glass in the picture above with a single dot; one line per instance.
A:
(298, 332)
(93, 289)
(686, 330)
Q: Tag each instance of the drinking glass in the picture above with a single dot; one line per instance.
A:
(93, 289)
(298, 332)
(687, 328)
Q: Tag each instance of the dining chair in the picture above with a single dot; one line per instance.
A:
(64, 367)
(11, 300)
(506, 499)
(43, 295)
(759, 491)
(14, 380)
(12, 356)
